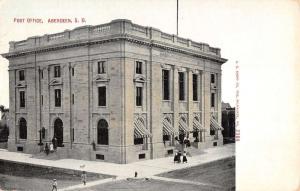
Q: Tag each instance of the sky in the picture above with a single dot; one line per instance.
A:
(196, 22)
(262, 35)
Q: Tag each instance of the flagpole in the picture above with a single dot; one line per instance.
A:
(177, 18)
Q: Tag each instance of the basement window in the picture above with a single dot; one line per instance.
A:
(142, 156)
(99, 156)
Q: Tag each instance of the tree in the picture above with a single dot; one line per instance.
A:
(4, 130)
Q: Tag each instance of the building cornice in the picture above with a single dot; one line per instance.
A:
(114, 38)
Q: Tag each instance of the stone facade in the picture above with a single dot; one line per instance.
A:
(119, 47)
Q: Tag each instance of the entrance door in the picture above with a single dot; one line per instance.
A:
(59, 131)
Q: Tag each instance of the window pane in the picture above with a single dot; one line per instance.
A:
(165, 85)
(212, 78)
(212, 99)
(181, 85)
(22, 129)
(195, 87)
(22, 99)
(138, 141)
(102, 133)
(21, 75)
(138, 68)
(139, 94)
(101, 67)
(57, 98)
(56, 71)
(102, 96)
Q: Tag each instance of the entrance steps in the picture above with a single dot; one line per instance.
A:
(60, 153)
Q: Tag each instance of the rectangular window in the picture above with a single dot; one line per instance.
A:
(166, 84)
(142, 156)
(42, 74)
(138, 67)
(56, 71)
(170, 152)
(212, 78)
(72, 71)
(73, 99)
(102, 96)
(99, 156)
(22, 98)
(73, 134)
(57, 97)
(101, 67)
(195, 87)
(181, 85)
(138, 141)
(166, 137)
(139, 96)
(42, 100)
(212, 100)
(21, 75)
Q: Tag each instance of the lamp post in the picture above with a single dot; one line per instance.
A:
(40, 143)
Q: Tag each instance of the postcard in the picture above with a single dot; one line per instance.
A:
(147, 95)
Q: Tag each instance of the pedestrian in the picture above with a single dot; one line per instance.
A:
(47, 149)
(184, 159)
(55, 144)
(83, 177)
(135, 174)
(175, 157)
(54, 185)
(179, 157)
(51, 148)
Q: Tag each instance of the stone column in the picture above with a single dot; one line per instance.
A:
(175, 95)
(155, 108)
(13, 122)
(206, 103)
(190, 98)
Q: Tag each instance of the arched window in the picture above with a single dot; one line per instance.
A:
(23, 128)
(102, 129)
(59, 131)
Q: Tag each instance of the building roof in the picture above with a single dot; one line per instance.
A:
(120, 29)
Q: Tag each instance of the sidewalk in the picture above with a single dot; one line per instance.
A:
(145, 168)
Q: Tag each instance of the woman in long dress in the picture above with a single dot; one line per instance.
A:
(179, 157)
(184, 159)
(51, 148)
(176, 157)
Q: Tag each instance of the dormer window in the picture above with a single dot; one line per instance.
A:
(101, 67)
(21, 75)
(138, 67)
(56, 71)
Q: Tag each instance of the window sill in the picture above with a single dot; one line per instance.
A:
(182, 101)
(100, 145)
(104, 107)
